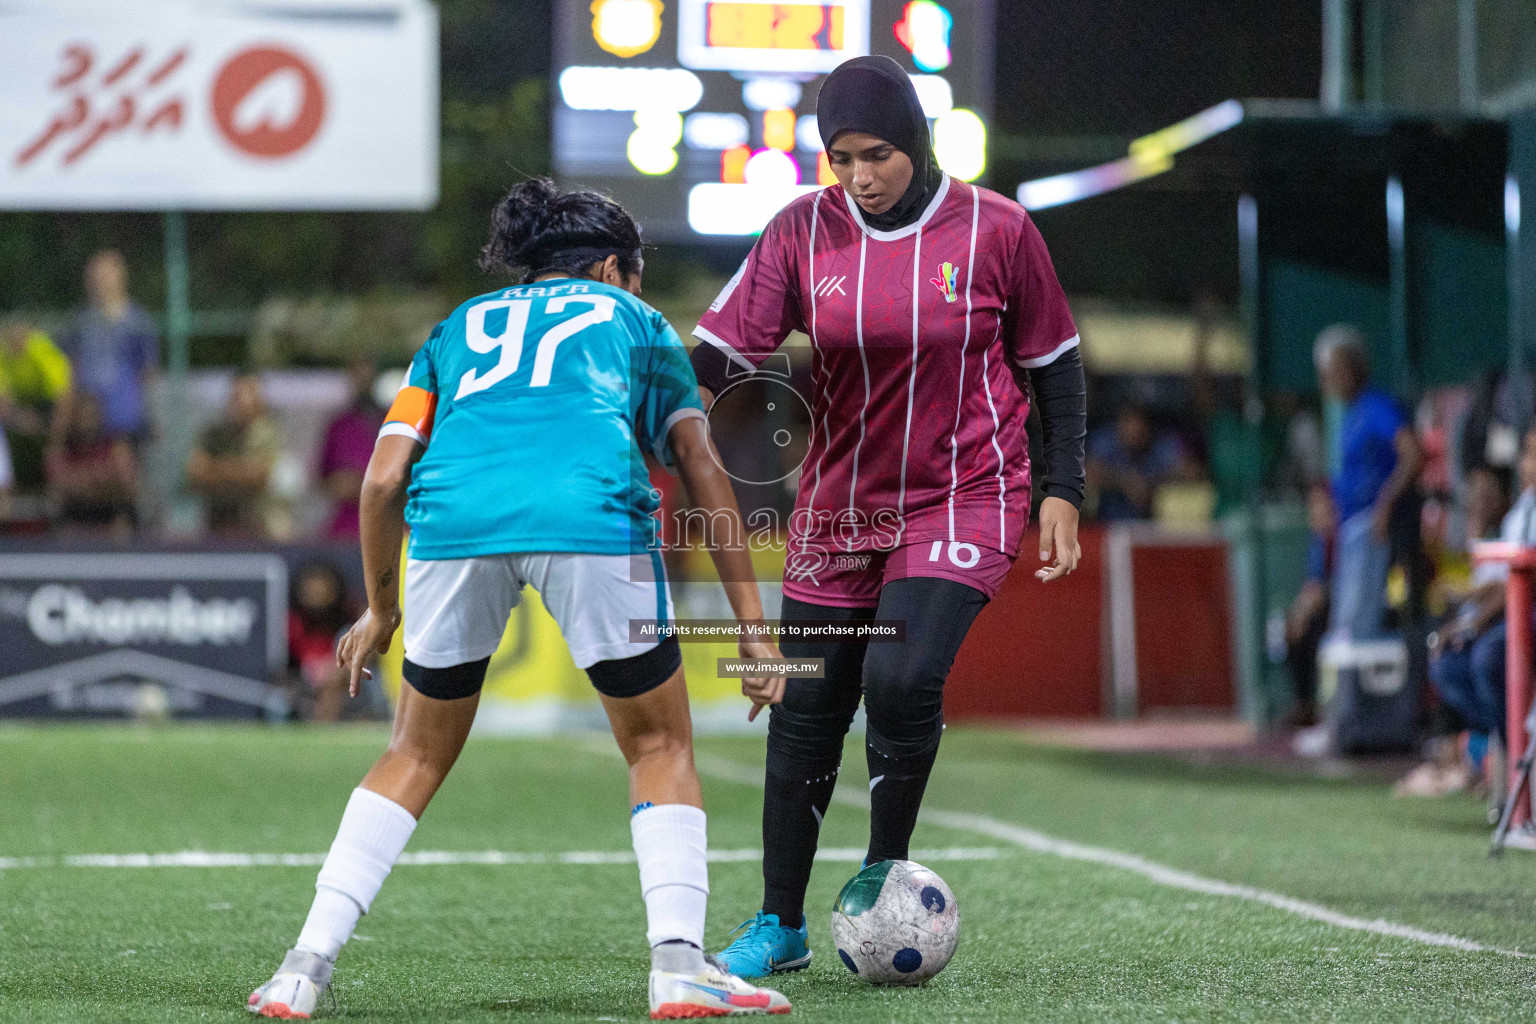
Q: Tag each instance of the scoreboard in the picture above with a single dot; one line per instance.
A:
(700, 115)
(729, 35)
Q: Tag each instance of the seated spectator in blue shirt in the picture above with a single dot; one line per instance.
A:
(1375, 490)
(1468, 665)
(1467, 649)
(1129, 461)
(114, 348)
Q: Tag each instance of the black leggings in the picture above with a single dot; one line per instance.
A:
(903, 689)
(902, 683)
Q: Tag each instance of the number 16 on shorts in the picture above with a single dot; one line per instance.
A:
(962, 555)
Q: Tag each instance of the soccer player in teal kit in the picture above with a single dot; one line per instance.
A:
(514, 451)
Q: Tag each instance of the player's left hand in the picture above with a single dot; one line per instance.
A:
(1058, 539)
(369, 635)
(760, 690)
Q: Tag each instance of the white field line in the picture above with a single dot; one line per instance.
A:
(1038, 842)
(205, 859)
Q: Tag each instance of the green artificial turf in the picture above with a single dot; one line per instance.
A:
(1044, 938)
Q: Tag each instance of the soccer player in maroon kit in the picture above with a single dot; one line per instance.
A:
(932, 309)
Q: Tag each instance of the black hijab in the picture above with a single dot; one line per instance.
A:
(874, 95)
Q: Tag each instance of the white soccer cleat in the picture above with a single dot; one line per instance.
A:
(286, 996)
(710, 993)
(295, 989)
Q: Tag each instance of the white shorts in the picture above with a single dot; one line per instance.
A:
(456, 609)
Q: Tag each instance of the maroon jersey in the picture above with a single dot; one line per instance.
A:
(918, 424)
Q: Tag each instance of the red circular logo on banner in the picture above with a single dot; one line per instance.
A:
(268, 102)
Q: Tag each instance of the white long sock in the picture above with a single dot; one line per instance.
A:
(374, 829)
(671, 846)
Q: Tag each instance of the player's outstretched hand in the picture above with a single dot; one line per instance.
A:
(760, 690)
(1058, 539)
(369, 635)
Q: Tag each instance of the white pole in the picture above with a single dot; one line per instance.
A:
(1466, 54)
(1336, 82)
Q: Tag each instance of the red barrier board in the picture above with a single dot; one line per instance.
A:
(1037, 650)
(1183, 626)
(1041, 650)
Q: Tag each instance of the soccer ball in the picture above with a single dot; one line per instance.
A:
(895, 923)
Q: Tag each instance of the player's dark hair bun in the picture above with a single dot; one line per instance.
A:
(537, 228)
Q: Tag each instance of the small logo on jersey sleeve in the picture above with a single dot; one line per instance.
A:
(947, 281)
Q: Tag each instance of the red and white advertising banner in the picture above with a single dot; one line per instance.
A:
(203, 104)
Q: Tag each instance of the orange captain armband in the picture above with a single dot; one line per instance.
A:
(411, 414)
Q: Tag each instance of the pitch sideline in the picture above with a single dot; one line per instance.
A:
(1038, 842)
(438, 858)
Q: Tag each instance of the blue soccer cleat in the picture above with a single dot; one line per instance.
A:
(766, 947)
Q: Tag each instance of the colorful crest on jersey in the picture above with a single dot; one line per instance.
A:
(949, 275)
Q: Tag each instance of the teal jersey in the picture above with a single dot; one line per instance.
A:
(537, 406)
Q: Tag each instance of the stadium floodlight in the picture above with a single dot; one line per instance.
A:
(1150, 155)
(770, 93)
(808, 134)
(1060, 189)
(710, 131)
(733, 164)
(1189, 132)
(626, 28)
(715, 208)
(772, 168)
(924, 30)
(935, 94)
(590, 88)
(960, 144)
(651, 148)
(779, 129)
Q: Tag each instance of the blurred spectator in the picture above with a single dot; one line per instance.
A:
(1467, 661)
(347, 448)
(1241, 453)
(231, 467)
(92, 477)
(1439, 416)
(1129, 460)
(34, 376)
(1491, 435)
(1306, 620)
(114, 347)
(1374, 492)
(1304, 461)
(317, 613)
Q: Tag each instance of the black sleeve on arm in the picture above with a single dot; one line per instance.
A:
(711, 366)
(1061, 396)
